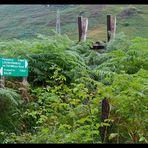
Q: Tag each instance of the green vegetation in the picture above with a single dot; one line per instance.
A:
(67, 82)
(61, 102)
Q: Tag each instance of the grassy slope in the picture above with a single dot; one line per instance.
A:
(25, 21)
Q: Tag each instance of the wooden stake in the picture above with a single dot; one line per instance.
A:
(79, 27)
(82, 28)
(24, 80)
(58, 23)
(111, 27)
(2, 82)
(24, 90)
(104, 115)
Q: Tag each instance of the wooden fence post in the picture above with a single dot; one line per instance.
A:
(111, 27)
(24, 80)
(79, 27)
(2, 82)
(82, 28)
(24, 90)
(58, 23)
(104, 115)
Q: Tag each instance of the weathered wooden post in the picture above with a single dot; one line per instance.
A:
(24, 80)
(24, 90)
(58, 23)
(104, 115)
(82, 28)
(2, 82)
(111, 27)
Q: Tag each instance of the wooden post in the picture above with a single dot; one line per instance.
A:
(79, 27)
(58, 23)
(24, 90)
(111, 27)
(2, 82)
(104, 115)
(82, 28)
(24, 80)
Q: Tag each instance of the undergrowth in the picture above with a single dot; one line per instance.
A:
(67, 82)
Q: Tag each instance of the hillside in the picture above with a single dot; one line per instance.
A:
(25, 21)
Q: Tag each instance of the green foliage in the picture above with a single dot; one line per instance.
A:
(61, 114)
(9, 109)
(130, 99)
(125, 73)
(67, 84)
(44, 52)
(119, 42)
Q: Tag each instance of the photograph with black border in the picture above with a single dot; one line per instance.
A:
(73, 72)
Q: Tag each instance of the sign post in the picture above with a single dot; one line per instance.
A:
(13, 67)
(2, 82)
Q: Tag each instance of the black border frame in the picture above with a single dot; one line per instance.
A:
(73, 1)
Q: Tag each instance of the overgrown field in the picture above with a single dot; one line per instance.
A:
(61, 103)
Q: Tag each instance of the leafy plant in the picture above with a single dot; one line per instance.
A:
(67, 84)
(9, 110)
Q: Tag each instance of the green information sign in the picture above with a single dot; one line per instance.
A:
(13, 67)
